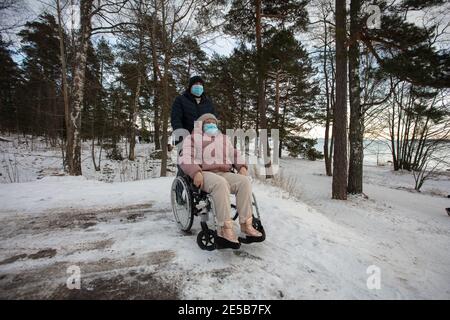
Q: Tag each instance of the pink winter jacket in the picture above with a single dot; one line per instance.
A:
(209, 153)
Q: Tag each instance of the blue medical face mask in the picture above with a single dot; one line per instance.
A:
(210, 129)
(197, 90)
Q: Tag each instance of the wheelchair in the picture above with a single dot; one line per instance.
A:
(189, 201)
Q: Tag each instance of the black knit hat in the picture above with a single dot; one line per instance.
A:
(193, 80)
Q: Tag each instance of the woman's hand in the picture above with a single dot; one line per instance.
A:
(243, 171)
(198, 180)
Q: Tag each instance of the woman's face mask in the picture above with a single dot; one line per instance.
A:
(210, 129)
(197, 90)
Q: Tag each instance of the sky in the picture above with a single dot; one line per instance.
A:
(224, 44)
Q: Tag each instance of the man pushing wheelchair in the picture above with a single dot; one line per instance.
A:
(214, 166)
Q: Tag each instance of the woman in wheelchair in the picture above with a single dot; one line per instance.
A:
(209, 157)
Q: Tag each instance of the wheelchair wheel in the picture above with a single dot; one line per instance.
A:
(234, 212)
(181, 199)
(205, 240)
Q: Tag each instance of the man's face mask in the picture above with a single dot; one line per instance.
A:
(210, 129)
(197, 90)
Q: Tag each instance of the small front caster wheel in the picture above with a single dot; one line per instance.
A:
(205, 240)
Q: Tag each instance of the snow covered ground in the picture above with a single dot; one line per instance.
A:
(24, 159)
(124, 239)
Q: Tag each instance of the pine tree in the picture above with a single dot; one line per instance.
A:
(42, 77)
(9, 81)
(251, 21)
(406, 50)
(289, 82)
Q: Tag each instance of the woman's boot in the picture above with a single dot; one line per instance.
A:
(226, 237)
(249, 234)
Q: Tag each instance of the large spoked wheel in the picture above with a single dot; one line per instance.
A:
(181, 200)
(205, 240)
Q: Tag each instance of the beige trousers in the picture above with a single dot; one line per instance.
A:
(220, 185)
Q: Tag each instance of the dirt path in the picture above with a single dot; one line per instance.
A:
(38, 249)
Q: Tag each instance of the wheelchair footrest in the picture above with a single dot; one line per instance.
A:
(222, 243)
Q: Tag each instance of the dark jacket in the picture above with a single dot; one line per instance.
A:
(185, 110)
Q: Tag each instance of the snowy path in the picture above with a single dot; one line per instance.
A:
(125, 241)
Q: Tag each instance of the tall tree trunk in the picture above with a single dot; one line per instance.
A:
(392, 136)
(164, 120)
(339, 186)
(326, 147)
(156, 106)
(137, 93)
(166, 48)
(62, 55)
(38, 130)
(189, 67)
(326, 144)
(277, 111)
(282, 132)
(398, 135)
(157, 86)
(261, 99)
(356, 133)
(97, 168)
(131, 155)
(331, 143)
(79, 81)
(277, 98)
